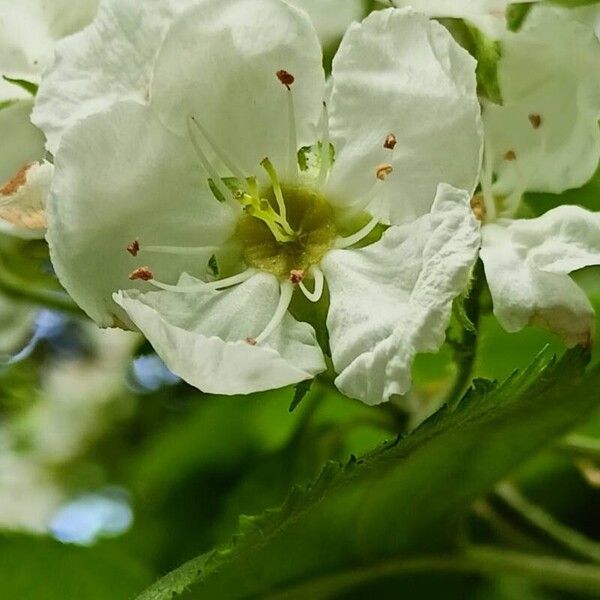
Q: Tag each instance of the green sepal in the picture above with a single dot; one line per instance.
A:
(28, 86)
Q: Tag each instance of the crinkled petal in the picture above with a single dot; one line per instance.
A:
(331, 17)
(393, 299)
(522, 293)
(219, 63)
(545, 137)
(24, 181)
(109, 61)
(30, 28)
(399, 73)
(120, 176)
(201, 336)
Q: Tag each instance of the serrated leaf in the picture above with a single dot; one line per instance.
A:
(407, 497)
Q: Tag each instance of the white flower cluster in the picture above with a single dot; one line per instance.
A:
(205, 184)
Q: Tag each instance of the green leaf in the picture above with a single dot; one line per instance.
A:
(516, 15)
(28, 86)
(406, 498)
(40, 568)
(487, 53)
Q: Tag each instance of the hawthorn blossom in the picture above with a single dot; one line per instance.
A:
(29, 30)
(214, 216)
(544, 137)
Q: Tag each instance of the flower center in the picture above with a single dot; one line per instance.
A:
(308, 233)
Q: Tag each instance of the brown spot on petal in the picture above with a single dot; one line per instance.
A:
(133, 248)
(251, 341)
(296, 276)
(143, 273)
(286, 78)
(390, 142)
(382, 171)
(535, 120)
(478, 207)
(510, 155)
(17, 181)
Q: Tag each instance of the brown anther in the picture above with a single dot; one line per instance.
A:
(296, 276)
(390, 142)
(286, 78)
(250, 341)
(133, 248)
(18, 180)
(535, 120)
(382, 171)
(478, 207)
(143, 273)
(510, 155)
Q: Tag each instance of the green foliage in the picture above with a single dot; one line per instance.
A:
(38, 568)
(573, 3)
(406, 498)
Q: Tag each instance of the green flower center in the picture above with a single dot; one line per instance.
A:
(293, 241)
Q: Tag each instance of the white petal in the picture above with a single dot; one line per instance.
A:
(121, 176)
(524, 294)
(331, 17)
(30, 28)
(24, 182)
(201, 336)
(399, 73)
(550, 81)
(219, 63)
(393, 299)
(87, 77)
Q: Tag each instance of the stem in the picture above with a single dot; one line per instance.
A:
(465, 349)
(481, 560)
(581, 445)
(14, 288)
(535, 516)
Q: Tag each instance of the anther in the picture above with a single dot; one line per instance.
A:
(250, 341)
(296, 276)
(390, 142)
(133, 248)
(478, 207)
(535, 120)
(285, 78)
(510, 155)
(142, 273)
(382, 171)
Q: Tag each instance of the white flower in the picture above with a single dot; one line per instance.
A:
(29, 30)
(236, 90)
(545, 137)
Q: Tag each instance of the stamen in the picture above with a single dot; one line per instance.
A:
(286, 291)
(296, 276)
(325, 151)
(287, 79)
(346, 242)
(510, 155)
(316, 294)
(382, 171)
(487, 181)
(202, 285)
(208, 166)
(141, 273)
(390, 142)
(133, 248)
(250, 341)
(223, 156)
(478, 207)
(183, 250)
(535, 120)
(270, 169)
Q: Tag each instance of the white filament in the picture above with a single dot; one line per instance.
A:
(325, 154)
(201, 285)
(317, 292)
(293, 138)
(346, 242)
(286, 290)
(183, 250)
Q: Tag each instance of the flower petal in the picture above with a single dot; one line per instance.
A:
(219, 63)
(545, 137)
(201, 336)
(30, 28)
(399, 73)
(393, 299)
(86, 78)
(120, 177)
(522, 292)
